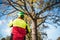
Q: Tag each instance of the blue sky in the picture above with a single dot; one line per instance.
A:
(52, 32)
(3, 27)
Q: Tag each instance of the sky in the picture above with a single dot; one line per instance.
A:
(4, 29)
(52, 32)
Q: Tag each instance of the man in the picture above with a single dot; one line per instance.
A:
(20, 27)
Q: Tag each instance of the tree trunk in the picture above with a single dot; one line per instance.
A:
(34, 30)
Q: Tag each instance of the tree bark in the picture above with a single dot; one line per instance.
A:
(34, 30)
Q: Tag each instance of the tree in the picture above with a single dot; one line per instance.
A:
(8, 37)
(3, 39)
(30, 7)
(58, 38)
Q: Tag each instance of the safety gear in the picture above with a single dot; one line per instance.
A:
(19, 29)
(20, 23)
(21, 14)
(18, 33)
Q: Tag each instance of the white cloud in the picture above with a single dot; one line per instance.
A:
(7, 31)
(2, 22)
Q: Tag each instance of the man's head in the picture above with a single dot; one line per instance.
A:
(21, 15)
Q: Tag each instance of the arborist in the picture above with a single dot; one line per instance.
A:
(19, 27)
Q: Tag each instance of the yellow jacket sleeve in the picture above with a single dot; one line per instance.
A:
(28, 27)
(10, 24)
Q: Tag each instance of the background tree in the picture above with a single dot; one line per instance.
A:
(8, 37)
(23, 5)
(58, 38)
(34, 5)
(3, 39)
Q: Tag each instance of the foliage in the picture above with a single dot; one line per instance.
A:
(34, 10)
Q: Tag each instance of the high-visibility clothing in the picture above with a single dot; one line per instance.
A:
(19, 23)
(19, 29)
(18, 33)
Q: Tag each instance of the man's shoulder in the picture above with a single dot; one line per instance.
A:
(17, 19)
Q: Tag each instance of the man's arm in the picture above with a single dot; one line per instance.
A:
(28, 28)
(10, 24)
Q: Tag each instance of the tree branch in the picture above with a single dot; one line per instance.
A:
(14, 6)
(21, 1)
(42, 11)
(32, 6)
(41, 22)
(8, 13)
(44, 18)
(20, 7)
(27, 9)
